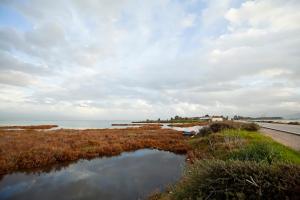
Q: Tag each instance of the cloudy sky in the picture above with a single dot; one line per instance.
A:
(134, 59)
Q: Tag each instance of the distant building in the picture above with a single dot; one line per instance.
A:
(217, 119)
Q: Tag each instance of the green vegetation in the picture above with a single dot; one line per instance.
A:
(176, 119)
(205, 131)
(261, 148)
(220, 126)
(172, 121)
(217, 179)
(237, 164)
(259, 152)
(184, 120)
(294, 123)
(250, 127)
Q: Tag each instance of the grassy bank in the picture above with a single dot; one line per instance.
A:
(238, 164)
(26, 149)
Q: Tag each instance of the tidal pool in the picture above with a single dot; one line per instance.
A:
(132, 175)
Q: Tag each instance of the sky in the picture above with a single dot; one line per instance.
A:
(134, 59)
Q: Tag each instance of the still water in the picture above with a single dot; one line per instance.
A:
(132, 175)
(77, 124)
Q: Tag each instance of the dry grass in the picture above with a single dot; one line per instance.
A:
(25, 149)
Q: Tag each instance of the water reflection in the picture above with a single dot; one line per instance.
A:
(196, 129)
(131, 175)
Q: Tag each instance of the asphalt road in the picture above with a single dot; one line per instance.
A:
(294, 129)
(290, 140)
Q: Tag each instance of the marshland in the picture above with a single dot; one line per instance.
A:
(29, 148)
(165, 164)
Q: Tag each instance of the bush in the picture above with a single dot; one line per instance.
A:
(259, 152)
(217, 179)
(219, 126)
(205, 131)
(250, 126)
(294, 123)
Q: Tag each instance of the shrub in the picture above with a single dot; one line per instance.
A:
(219, 126)
(258, 152)
(215, 179)
(294, 123)
(250, 126)
(205, 131)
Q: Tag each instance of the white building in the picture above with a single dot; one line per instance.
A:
(217, 119)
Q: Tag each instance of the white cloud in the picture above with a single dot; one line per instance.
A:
(133, 59)
(188, 21)
(16, 78)
(267, 15)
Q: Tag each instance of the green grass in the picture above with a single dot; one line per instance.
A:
(249, 135)
(261, 148)
(217, 179)
(238, 164)
(244, 145)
